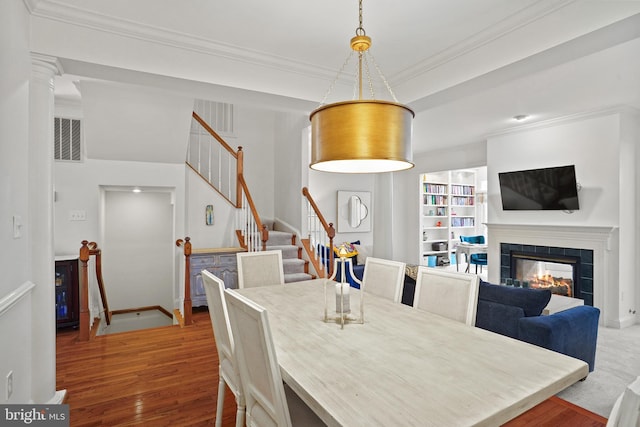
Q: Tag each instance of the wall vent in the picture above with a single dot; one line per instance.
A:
(67, 139)
(219, 115)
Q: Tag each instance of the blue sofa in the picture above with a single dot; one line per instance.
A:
(517, 313)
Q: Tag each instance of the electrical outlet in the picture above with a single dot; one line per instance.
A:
(9, 385)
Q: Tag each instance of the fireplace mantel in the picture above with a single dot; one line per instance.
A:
(601, 239)
(559, 232)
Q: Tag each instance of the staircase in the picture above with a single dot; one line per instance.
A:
(207, 153)
(295, 268)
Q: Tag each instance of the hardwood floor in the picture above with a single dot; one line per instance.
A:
(159, 377)
(169, 377)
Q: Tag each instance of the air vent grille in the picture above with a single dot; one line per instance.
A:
(67, 139)
(219, 115)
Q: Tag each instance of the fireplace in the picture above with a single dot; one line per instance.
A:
(564, 271)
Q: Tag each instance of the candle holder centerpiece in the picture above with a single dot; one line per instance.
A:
(348, 306)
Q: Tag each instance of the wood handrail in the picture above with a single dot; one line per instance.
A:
(86, 250)
(241, 185)
(331, 232)
(264, 233)
(328, 228)
(214, 134)
(186, 245)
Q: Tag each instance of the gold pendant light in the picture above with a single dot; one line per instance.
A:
(363, 135)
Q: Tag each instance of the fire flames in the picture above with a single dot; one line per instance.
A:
(557, 285)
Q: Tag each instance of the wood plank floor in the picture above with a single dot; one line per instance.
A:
(169, 377)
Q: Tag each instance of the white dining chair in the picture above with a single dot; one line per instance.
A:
(383, 278)
(449, 294)
(268, 404)
(228, 365)
(260, 268)
(626, 410)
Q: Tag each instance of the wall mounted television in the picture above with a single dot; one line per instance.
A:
(553, 188)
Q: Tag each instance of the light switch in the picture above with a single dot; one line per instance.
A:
(17, 227)
(77, 215)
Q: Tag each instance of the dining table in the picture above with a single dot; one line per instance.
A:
(404, 366)
(469, 249)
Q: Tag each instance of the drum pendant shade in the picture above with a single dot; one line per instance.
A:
(362, 136)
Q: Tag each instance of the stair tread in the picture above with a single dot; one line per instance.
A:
(297, 277)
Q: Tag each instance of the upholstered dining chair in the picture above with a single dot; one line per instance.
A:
(383, 278)
(260, 268)
(475, 259)
(449, 294)
(228, 367)
(269, 402)
(626, 410)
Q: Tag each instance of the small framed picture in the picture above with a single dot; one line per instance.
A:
(209, 215)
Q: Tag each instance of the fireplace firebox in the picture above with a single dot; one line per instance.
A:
(559, 274)
(564, 271)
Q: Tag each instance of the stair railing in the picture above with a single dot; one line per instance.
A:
(86, 250)
(222, 168)
(321, 236)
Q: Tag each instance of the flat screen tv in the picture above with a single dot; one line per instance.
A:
(552, 188)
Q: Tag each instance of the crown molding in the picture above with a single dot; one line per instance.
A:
(509, 24)
(57, 11)
(31, 5)
(600, 112)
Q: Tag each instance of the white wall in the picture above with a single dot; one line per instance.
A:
(15, 323)
(289, 176)
(324, 187)
(77, 187)
(255, 132)
(591, 144)
(222, 233)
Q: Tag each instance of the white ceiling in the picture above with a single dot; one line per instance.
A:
(464, 66)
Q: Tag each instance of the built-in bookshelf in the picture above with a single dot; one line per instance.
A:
(448, 210)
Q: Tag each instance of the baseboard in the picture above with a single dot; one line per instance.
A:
(58, 398)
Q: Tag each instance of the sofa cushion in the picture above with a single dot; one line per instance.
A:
(499, 318)
(532, 301)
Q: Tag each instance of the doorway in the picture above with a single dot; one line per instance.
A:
(137, 255)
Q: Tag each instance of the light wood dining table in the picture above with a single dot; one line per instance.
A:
(404, 366)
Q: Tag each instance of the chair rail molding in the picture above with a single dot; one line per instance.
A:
(13, 297)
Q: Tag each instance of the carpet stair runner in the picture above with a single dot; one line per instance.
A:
(295, 268)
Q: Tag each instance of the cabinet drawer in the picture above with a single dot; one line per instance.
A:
(227, 259)
(199, 262)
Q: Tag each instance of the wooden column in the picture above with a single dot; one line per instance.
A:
(84, 333)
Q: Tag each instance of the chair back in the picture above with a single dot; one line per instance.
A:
(214, 290)
(472, 239)
(383, 278)
(260, 268)
(626, 410)
(259, 370)
(449, 294)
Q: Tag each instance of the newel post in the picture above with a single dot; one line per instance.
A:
(186, 245)
(84, 334)
(331, 233)
(239, 173)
